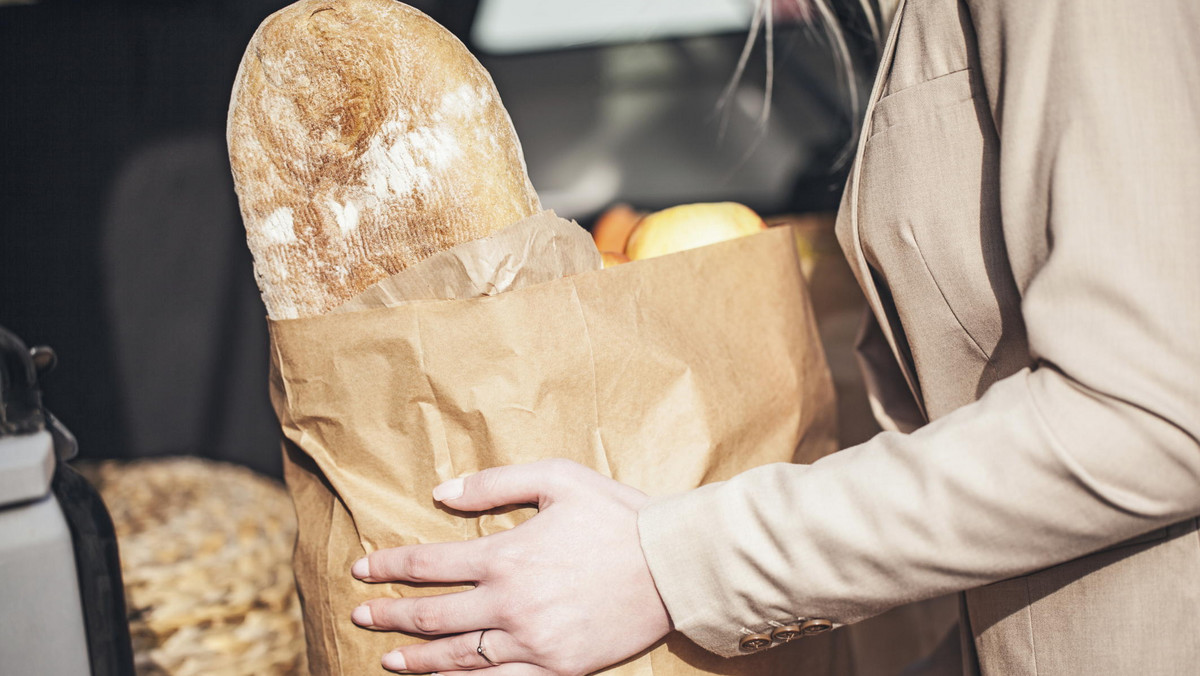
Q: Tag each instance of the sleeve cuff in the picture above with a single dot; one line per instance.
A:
(672, 530)
(690, 544)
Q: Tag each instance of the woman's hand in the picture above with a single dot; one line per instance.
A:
(567, 592)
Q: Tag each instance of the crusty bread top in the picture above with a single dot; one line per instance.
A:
(364, 137)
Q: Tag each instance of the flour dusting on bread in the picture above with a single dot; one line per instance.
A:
(364, 137)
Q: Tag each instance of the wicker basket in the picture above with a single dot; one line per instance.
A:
(206, 553)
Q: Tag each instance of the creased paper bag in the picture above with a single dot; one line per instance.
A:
(665, 374)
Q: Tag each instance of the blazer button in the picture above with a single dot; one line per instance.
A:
(754, 642)
(786, 633)
(814, 627)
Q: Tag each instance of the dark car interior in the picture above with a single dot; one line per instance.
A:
(122, 246)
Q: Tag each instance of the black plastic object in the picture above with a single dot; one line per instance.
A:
(98, 565)
(97, 562)
(20, 398)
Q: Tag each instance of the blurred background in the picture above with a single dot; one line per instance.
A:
(122, 245)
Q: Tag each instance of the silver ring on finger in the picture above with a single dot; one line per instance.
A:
(483, 653)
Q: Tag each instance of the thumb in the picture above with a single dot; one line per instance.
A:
(535, 483)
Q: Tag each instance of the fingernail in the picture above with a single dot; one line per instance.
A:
(394, 661)
(361, 569)
(449, 490)
(362, 616)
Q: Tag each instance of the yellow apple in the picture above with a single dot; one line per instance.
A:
(690, 226)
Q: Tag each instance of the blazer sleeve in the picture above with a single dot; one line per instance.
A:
(1097, 106)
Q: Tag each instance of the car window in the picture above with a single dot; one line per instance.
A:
(515, 26)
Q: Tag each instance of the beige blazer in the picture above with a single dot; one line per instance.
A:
(1024, 218)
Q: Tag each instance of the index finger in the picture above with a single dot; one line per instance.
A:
(440, 562)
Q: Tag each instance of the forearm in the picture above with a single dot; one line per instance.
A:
(1037, 472)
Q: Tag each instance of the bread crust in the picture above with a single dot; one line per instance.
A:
(364, 137)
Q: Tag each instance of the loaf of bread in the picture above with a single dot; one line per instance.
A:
(364, 137)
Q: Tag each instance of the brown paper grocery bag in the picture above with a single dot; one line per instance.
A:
(664, 374)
